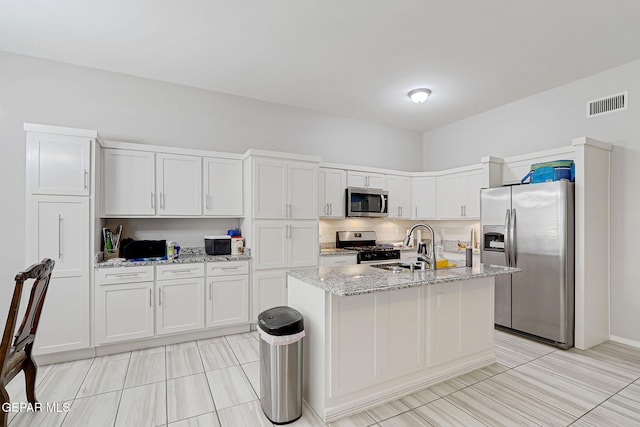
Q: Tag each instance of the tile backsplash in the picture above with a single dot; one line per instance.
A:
(392, 231)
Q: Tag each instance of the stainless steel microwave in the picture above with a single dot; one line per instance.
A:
(367, 202)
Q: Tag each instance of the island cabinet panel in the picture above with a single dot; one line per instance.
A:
(354, 354)
(405, 340)
(444, 323)
(476, 308)
(376, 337)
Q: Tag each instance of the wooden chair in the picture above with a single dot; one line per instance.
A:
(17, 357)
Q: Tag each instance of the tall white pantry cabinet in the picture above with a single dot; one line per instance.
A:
(280, 223)
(60, 204)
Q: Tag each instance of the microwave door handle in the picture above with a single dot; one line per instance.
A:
(384, 204)
(507, 246)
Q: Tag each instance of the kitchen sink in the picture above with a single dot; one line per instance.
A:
(397, 267)
(403, 267)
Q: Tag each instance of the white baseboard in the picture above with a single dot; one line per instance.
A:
(626, 341)
(65, 356)
(103, 350)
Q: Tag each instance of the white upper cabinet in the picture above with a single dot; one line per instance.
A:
(281, 244)
(366, 180)
(303, 185)
(331, 192)
(179, 184)
(458, 195)
(129, 182)
(399, 196)
(222, 181)
(270, 189)
(423, 197)
(58, 164)
(284, 189)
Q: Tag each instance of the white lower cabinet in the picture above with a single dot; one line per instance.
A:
(227, 300)
(269, 290)
(124, 312)
(179, 305)
(143, 302)
(227, 294)
(124, 304)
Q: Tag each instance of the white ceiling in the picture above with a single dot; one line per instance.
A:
(355, 58)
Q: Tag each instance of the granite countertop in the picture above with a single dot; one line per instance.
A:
(362, 279)
(187, 256)
(336, 251)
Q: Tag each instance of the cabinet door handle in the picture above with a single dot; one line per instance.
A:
(153, 200)
(207, 201)
(210, 291)
(326, 208)
(330, 208)
(162, 201)
(416, 212)
(159, 296)
(86, 180)
(401, 210)
(150, 297)
(59, 236)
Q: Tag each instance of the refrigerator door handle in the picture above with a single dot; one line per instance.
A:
(514, 242)
(507, 239)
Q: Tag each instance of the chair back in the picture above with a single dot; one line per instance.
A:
(41, 273)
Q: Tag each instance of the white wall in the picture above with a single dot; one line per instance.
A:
(549, 120)
(127, 108)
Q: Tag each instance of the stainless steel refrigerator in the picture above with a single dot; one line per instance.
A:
(532, 227)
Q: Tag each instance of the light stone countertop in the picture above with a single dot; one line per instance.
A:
(187, 256)
(336, 252)
(363, 279)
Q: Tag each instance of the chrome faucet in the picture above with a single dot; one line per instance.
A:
(424, 255)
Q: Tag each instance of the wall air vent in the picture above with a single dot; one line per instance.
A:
(609, 104)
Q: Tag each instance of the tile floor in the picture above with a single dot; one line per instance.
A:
(215, 383)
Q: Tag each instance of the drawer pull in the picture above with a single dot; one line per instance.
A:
(123, 274)
(180, 271)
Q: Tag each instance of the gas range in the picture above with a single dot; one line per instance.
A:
(364, 242)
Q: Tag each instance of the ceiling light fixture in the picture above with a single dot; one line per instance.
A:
(418, 96)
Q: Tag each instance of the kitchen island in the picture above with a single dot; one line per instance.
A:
(375, 336)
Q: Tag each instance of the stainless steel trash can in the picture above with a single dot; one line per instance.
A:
(281, 331)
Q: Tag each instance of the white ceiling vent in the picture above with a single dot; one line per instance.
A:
(609, 104)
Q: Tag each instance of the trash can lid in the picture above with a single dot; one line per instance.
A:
(281, 321)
